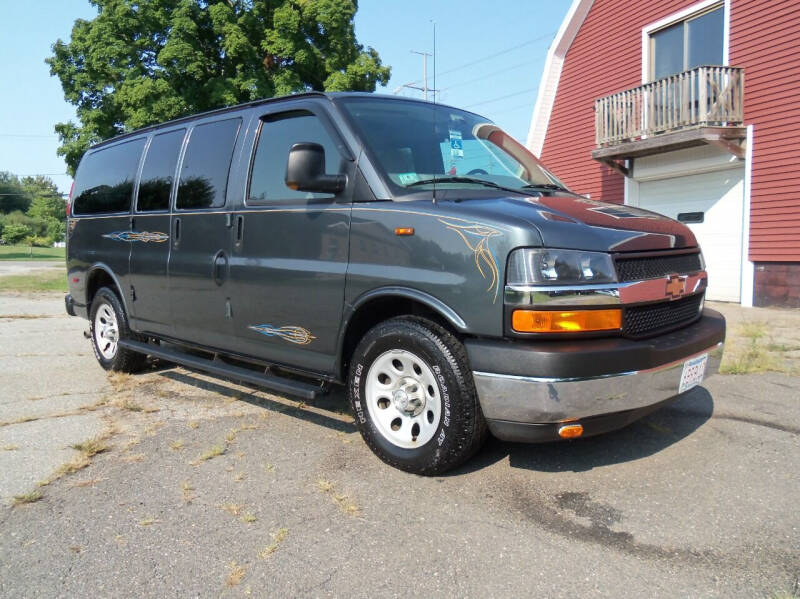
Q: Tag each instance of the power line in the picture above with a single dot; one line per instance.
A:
(46, 175)
(519, 93)
(492, 74)
(528, 105)
(494, 55)
(27, 135)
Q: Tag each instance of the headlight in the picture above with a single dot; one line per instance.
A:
(559, 267)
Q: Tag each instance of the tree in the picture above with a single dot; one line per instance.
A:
(12, 194)
(141, 62)
(16, 232)
(47, 205)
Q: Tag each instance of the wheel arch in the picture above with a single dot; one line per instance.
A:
(381, 304)
(100, 275)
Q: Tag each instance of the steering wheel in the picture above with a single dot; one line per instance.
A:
(477, 171)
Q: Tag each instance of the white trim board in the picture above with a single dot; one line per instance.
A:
(680, 16)
(748, 268)
(551, 74)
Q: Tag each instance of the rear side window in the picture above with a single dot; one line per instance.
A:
(204, 176)
(278, 134)
(158, 171)
(105, 179)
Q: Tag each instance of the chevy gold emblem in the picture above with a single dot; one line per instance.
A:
(676, 286)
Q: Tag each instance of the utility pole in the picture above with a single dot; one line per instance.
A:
(424, 89)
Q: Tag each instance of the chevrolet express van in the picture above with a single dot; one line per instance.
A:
(415, 253)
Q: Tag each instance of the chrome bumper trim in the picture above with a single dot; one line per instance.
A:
(605, 294)
(548, 400)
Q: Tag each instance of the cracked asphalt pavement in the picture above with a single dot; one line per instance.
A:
(208, 488)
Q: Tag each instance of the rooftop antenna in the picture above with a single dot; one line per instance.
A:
(434, 99)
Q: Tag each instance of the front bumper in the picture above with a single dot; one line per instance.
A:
(527, 390)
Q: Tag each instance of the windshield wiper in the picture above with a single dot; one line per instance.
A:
(552, 186)
(463, 180)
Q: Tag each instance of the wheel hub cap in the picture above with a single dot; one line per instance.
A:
(403, 398)
(106, 331)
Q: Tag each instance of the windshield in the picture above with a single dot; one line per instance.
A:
(418, 144)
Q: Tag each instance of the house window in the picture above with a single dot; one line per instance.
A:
(692, 42)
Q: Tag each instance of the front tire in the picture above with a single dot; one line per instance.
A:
(109, 324)
(412, 393)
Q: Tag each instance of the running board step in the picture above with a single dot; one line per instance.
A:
(219, 368)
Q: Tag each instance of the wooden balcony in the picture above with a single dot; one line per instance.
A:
(701, 106)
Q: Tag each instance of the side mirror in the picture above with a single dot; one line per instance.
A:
(305, 170)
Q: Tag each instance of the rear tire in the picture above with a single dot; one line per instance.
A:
(108, 325)
(413, 396)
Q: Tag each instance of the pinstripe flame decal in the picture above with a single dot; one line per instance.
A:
(292, 334)
(131, 236)
(477, 236)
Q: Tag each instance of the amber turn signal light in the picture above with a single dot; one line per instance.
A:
(575, 321)
(404, 231)
(570, 431)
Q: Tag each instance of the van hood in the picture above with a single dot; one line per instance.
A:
(575, 222)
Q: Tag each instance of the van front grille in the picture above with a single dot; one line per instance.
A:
(650, 319)
(653, 267)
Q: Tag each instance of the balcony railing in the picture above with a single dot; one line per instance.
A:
(701, 97)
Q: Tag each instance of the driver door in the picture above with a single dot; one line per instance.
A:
(290, 251)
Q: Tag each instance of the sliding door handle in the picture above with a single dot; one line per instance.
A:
(176, 232)
(239, 229)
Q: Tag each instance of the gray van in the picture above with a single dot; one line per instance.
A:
(415, 253)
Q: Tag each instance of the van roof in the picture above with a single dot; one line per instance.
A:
(199, 115)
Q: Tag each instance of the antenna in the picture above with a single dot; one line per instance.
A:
(424, 87)
(434, 99)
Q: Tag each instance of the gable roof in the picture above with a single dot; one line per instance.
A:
(548, 85)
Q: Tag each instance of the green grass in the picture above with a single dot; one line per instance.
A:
(750, 349)
(44, 280)
(24, 252)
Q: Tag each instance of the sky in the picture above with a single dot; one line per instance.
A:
(489, 59)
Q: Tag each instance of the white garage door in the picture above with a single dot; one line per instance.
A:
(719, 196)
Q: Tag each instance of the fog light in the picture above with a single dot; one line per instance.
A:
(570, 431)
(555, 321)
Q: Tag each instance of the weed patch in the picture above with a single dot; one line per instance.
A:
(187, 488)
(236, 574)
(148, 521)
(91, 447)
(342, 501)
(31, 497)
(750, 349)
(212, 452)
(277, 538)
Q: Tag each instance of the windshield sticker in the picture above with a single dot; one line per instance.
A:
(407, 178)
(456, 144)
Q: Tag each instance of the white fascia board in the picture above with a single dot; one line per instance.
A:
(548, 85)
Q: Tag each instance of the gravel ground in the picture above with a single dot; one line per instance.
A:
(699, 499)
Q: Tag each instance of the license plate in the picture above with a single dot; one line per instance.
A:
(693, 372)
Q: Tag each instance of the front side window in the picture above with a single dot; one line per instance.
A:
(158, 170)
(690, 43)
(104, 182)
(277, 136)
(419, 144)
(204, 174)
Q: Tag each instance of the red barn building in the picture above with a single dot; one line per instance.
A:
(690, 109)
